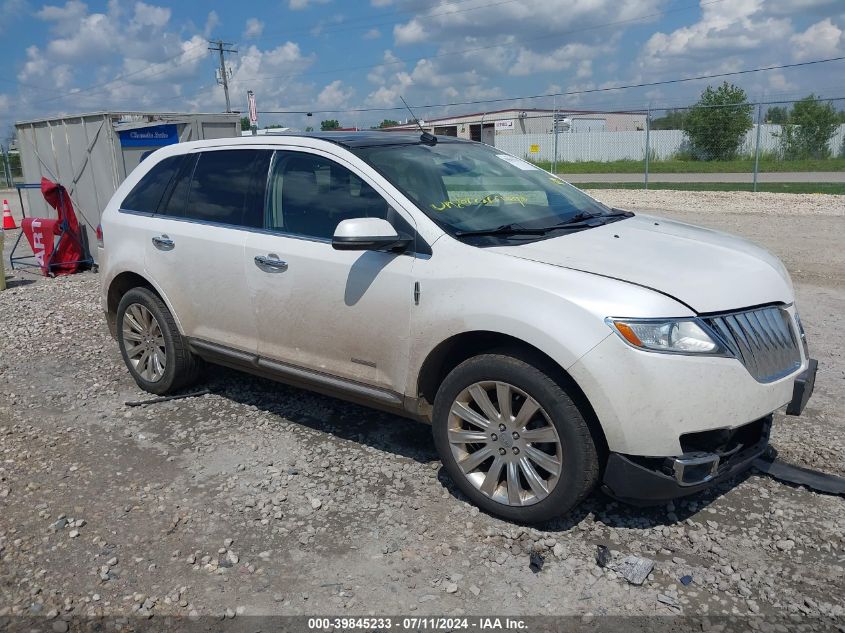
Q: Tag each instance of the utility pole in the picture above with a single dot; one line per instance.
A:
(221, 47)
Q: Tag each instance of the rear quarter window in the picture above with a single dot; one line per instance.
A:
(147, 194)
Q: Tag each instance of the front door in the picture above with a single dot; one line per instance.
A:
(341, 313)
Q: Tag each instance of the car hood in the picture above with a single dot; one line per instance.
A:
(707, 270)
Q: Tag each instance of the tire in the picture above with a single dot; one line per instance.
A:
(568, 447)
(179, 368)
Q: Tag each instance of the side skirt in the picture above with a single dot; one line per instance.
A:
(349, 390)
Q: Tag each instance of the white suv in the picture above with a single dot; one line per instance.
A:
(553, 343)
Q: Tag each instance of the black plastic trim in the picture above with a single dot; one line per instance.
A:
(636, 484)
(301, 377)
(802, 388)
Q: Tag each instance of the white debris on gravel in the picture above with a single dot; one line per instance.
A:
(326, 507)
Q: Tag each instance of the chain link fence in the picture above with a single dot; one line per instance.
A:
(746, 145)
(10, 168)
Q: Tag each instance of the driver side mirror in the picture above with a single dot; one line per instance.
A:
(368, 234)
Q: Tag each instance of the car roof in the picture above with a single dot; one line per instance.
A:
(368, 138)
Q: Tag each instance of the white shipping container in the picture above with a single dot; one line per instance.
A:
(91, 154)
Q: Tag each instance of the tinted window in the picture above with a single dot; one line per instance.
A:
(228, 187)
(147, 194)
(310, 195)
(176, 197)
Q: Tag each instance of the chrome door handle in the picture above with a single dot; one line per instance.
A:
(271, 263)
(163, 243)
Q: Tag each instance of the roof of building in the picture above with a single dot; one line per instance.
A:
(490, 113)
(157, 117)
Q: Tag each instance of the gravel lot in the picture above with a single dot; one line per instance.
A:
(263, 499)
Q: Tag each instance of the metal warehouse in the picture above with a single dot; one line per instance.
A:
(91, 154)
(486, 126)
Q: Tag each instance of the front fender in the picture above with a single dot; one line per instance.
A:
(557, 310)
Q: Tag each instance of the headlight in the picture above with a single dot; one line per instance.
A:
(679, 336)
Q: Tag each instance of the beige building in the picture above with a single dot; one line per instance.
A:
(486, 126)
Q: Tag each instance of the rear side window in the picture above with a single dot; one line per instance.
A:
(147, 194)
(228, 187)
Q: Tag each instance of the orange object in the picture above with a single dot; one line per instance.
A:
(8, 220)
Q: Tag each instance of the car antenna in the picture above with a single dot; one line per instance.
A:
(426, 137)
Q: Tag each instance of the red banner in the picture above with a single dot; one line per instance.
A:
(40, 233)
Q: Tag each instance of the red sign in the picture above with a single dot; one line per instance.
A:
(39, 233)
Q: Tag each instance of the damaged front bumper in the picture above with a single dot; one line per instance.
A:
(709, 457)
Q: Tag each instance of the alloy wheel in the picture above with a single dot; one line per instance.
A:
(504, 443)
(144, 342)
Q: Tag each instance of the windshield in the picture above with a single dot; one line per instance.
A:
(470, 187)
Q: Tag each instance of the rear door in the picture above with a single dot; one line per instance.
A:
(196, 248)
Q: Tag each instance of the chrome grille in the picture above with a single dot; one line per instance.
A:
(764, 339)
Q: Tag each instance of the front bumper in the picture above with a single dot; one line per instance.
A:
(645, 401)
(650, 481)
(721, 455)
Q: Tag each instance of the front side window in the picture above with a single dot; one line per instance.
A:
(472, 188)
(309, 195)
(147, 194)
(228, 187)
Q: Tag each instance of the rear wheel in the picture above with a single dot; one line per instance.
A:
(512, 439)
(152, 347)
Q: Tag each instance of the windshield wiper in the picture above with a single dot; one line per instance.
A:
(505, 229)
(578, 220)
(590, 219)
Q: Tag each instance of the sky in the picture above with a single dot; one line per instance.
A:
(324, 55)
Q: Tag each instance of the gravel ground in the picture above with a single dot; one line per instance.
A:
(262, 499)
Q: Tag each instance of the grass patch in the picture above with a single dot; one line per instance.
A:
(834, 188)
(742, 165)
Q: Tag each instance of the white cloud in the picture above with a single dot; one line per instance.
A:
(822, 39)
(135, 58)
(211, 23)
(372, 34)
(149, 15)
(254, 28)
(72, 10)
(298, 5)
(334, 95)
(528, 62)
(409, 33)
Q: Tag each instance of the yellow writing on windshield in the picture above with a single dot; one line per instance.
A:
(469, 201)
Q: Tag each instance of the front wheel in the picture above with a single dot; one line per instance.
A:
(513, 440)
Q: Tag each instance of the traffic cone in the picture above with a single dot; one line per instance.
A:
(8, 220)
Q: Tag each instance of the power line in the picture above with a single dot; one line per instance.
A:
(568, 93)
(124, 76)
(452, 53)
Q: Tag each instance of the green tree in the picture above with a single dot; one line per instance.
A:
(717, 124)
(331, 124)
(309, 129)
(777, 115)
(388, 123)
(245, 124)
(812, 123)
